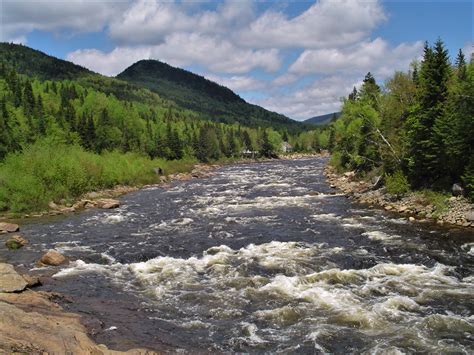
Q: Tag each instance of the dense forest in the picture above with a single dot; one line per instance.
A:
(417, 130)
(106, 123)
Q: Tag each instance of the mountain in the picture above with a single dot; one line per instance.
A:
(174, 86)
(199, 94)
(323, 119)
(35, 63)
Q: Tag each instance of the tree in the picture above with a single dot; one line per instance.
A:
(427, 124)
(461, 66)
(5, 133)
(266, 149)
(353, 94)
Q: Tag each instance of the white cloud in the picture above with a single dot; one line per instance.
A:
(149, 22)
(238, 82)
(182, 49)
(20, 17)
(320, 97)
(326, 23)
(376, 56)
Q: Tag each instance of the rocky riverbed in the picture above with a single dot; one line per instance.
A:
(456, 211)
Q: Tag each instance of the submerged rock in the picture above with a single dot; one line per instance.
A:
(53, 258)
(16, 242)
(10, 280)
(9, 227)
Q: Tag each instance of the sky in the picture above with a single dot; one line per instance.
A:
(297, 58)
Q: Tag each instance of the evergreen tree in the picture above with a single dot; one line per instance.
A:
(427, 124)
(353, 94)
(267, 150)
(5, 134)
(461, 66)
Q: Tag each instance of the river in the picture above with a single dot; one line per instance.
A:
(261, 258)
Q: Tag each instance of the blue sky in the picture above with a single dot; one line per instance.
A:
(294, 57)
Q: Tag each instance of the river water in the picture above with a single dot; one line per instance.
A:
(261, 258)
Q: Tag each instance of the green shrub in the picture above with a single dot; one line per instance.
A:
(468, 180)
(437, 199)
(397, 183)
(48, 171)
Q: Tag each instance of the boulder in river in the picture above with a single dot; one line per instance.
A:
(10, 280)
(107, 203)
(53, 258)
(9, 227)
(457, 190)
(16, 242)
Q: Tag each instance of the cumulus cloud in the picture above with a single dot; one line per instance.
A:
(376, 56)
(182, 49)
(326, 23)
(20, 17)
(149, 22)
(320, 97)
(240, 83)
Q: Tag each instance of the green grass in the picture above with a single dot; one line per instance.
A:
(439, 200)
(46, 171)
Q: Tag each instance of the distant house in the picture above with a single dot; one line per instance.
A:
(286, 147)
(248, 153)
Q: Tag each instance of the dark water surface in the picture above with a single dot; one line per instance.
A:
(254, 260)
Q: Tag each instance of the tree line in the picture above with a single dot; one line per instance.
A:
(419, 126)
(76, 112)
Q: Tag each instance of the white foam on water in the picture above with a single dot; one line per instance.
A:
(379, 235)
(326, 217)
(468, 248)
(379, 301)
(115, 218)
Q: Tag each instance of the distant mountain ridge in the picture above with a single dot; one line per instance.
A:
(187, 90)
(199, 94)
(322, 119)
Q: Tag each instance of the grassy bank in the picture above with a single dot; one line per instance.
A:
(47, 171)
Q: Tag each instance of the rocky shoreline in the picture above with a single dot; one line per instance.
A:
(456, 211)
(33, 322)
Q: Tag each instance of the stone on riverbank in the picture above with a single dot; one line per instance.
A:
(8, 227)
(107, 203)
(457, 190)
(52, 258)
(10, 280)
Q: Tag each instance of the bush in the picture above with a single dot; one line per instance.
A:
(47, 171)
(397, 183)
(468, 180)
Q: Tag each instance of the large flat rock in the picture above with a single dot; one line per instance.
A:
(10, 280)
(31, 323)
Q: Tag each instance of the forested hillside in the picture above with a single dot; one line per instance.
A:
(88, 116)
(323, 119)
(417, 130)
(195, 92)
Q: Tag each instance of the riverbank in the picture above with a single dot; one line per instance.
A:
(417, 205)
(106, 198)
